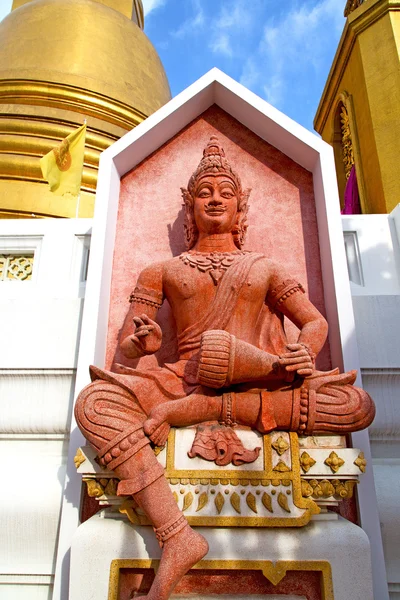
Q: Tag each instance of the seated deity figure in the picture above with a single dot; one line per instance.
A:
(235, 364)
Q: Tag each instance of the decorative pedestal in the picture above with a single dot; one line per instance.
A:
(107, 553)
(267, 521)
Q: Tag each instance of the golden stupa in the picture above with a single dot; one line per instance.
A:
(62, 61)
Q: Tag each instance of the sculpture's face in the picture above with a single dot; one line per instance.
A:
(215, 204)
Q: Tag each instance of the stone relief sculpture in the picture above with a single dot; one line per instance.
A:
(235, 365)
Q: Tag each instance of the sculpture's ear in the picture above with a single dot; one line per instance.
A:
(244, 199)
(187, 198)
(189, 226)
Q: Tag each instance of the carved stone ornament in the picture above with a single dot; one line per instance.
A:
(347, 144)
(351, 5)
(214, 263)
(334, 462)
(306, 462)
(361, 462)
(226, 377)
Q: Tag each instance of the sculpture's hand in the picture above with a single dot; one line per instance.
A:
(297, 360)
(145, 340)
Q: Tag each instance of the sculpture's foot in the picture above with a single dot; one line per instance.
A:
(156, 426)
(179, 554)
(330, 402)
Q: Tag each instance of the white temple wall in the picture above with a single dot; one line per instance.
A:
(40, 334)
(372, 249)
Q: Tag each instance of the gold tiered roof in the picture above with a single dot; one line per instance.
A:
(62, 61)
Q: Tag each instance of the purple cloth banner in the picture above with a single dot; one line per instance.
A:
(351, 197)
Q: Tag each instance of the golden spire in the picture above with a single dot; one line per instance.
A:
(62, 61)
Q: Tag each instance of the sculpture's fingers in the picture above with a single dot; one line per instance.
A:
(293, 347)
(295, 353)
(295, 360)
(145, 318)
(138, 322)
(299, 367)
(305, 372)
(141, 332)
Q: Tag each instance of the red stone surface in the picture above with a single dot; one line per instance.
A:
(282, 219)
(234, 583)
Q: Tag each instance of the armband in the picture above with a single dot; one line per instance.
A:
(279, 294)
(146, 296)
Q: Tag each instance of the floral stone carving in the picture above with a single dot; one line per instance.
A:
(227, 373)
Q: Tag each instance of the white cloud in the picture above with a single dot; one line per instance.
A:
(192, 25)
(233, 20)
(149, 5)
(294, 50)
(221, 44)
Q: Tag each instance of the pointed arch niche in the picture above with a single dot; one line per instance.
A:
(345, 147)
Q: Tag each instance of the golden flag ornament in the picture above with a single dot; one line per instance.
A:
(63, 166)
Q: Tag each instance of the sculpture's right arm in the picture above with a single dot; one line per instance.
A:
(140, 333)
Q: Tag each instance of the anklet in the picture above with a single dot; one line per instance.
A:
(170, 529)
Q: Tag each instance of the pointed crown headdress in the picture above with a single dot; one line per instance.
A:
(214, 163)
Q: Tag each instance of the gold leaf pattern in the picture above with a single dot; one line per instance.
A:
(267, 501)
(306, 462)
(280, 445)
(283, 502)
(334, 462)
(344, 489)
(251, 502)
(361, 462)
(347, 145)
(79, 458)
(203, 499)
(175, 495)
(111, 487)
(187, 501)
(327, 488)
(219, 502)
(281, 467)
(306, 489)
(128, 508)
(235, 501)
(94, 489)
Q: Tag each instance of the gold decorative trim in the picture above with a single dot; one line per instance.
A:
(361, 462)
(328, 488)
(89, 103)
(79, 458)
(356, 23)
(280, 475)
(334, 462)
(274, 572)
(350, 6)
(280, 445)
(306, 462)
(347, 143)
(100, 487)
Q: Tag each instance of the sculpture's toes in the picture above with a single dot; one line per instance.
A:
(156, 418)
(160, 435)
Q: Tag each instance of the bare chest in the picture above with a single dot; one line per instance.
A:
(198, 284)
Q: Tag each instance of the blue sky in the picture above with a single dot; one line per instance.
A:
(281, 50)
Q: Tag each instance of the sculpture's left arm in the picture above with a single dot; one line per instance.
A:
(287, 296)
(313, 326)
